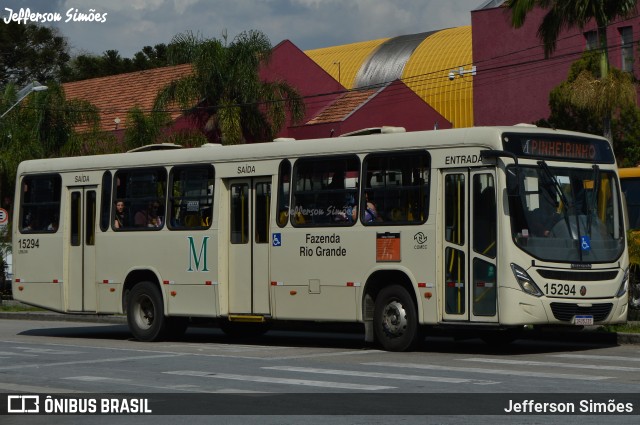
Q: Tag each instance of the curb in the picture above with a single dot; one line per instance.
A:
(587, 336)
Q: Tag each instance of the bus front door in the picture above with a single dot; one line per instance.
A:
(80, 227)
(249, 245)
(470, 246)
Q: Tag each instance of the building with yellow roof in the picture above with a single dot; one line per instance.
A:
(436, 65)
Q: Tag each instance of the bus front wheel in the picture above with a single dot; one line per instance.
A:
(395, 319)
(145, 312)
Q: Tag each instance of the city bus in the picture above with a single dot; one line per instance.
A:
(488, 229)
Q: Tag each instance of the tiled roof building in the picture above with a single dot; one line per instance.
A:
(115, 95)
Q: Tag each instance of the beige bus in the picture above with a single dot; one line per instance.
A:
(488, 228)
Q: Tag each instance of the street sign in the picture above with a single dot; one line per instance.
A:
(4, 218)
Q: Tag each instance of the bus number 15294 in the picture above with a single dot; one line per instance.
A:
(559, 289)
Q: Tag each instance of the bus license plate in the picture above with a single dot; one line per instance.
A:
(583, 320)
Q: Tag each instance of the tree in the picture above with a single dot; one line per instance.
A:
(570, 108)
(144, 129)
(85, 66)
(224, 95)
(565, 14)
(31, 52)
(43, 126)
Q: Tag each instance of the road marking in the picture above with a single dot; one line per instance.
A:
(552, 364)
(285, 381)
(226, 347)
(8, 388)
(226, 351)
(331, 354)
(92, 361)
(595, 357)
(491, 371)
(362, 374)
(47, 351)
(8, 353)
(96, 379)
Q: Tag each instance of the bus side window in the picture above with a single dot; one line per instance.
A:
(397, 183)
(191, 197)
(325, 191)
(105, 201)
(40, 203)
(284, 184)
(139, 187)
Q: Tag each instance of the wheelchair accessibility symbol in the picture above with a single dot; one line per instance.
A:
(585, 243)
(276, 239)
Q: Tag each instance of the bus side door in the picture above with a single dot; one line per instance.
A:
(249, 245)
(470, 245)
(81, 219)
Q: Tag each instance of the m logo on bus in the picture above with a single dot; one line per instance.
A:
(198, 258)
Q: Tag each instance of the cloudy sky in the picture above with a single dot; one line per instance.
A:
(130, 25)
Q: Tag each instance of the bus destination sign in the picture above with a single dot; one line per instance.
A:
(559, 147)
(568, 149)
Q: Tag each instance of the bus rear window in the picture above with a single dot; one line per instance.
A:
(40, 204)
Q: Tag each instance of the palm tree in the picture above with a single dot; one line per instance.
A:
(232, 103)
(565, 14)
(143, 129)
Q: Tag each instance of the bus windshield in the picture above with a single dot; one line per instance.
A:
(565, 214)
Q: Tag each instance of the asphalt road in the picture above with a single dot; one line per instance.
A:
(325, 373)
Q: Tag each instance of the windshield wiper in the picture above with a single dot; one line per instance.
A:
(593, 205)
(558, 190)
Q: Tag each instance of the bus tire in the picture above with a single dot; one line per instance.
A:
(145, 312)
(395, 319)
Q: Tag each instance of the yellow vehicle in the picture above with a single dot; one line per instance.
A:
(630, 183)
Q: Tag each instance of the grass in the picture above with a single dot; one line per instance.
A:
(14, 306)
(622, 328)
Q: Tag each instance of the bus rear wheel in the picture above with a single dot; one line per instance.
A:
(145, 312)
(395, 319)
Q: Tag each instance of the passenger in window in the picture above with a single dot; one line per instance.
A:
(30, 223)
(397, 215)
(149, 217)
(370, 212)
(53, 225)
(283, 216)
(120, 219)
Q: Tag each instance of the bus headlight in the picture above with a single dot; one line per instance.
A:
(624, 285)
(524, 280)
